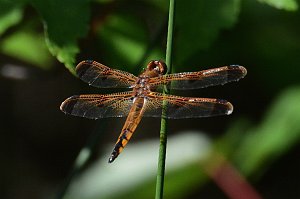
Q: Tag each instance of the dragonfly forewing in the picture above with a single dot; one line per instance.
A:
(101, 76)
(201, 79)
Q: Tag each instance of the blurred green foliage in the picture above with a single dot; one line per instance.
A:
(9, 16)
(279, 131)
(290, 5)
(212, 15)
(122, 34)
(64, 23)
(17, 44)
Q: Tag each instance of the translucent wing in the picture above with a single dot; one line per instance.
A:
(98, 106)
(101, 76)
(201, 79)
(185, 107)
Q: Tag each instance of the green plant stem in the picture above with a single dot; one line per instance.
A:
(169, 50)
(163, 127)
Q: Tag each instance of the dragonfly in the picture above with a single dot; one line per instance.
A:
(143, 100)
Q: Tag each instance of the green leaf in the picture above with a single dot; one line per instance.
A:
(10, 14)
(65, 22)
(198, 24)
(123, 36)
(279, 131)
(289, 5)
(27, 46)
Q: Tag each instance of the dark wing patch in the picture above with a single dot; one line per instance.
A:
(101, 76)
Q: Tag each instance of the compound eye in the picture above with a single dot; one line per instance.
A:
(162, 67)
(152, 65)
(158, 66)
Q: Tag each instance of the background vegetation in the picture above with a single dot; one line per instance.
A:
(41, 42)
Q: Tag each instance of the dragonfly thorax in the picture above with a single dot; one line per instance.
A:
(141, 88)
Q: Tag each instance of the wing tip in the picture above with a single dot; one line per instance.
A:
(239, 69)
(83, 66)
(228, 106)
(67, 106)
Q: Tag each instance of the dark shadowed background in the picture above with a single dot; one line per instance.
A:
(42, 41)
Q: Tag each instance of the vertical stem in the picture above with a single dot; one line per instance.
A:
(163, 127)
(169, 49)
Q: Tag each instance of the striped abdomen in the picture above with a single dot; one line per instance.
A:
(133, 119)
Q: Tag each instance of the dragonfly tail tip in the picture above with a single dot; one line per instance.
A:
(112, 158)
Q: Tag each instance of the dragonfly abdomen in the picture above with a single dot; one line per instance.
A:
(132, 121)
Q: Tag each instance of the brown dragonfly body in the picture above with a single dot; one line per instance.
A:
(140, 92)
(142, 101)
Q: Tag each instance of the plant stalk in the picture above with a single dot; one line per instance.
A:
(163, 128)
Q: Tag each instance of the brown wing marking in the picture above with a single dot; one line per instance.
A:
(185, 107)
(98, 106)
(201, 79)
(101, 76)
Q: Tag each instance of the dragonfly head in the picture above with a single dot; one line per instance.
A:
(157, 66)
